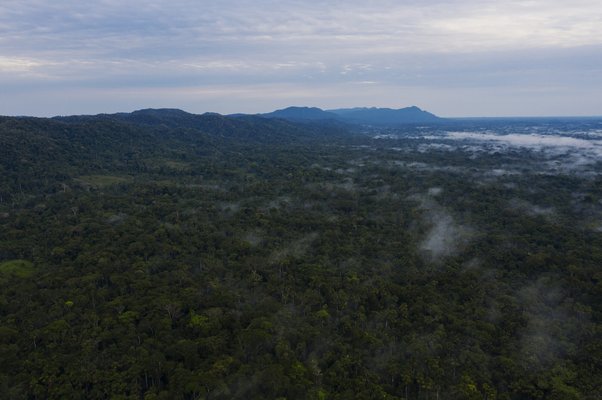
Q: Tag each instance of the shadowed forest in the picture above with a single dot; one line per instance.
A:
(165, 255)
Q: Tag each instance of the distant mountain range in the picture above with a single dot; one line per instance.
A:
(181, 119)
(302, 114)
(361, 115)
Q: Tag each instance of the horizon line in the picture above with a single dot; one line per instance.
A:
(466, 117)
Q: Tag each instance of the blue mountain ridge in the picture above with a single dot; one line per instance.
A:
(360, 115)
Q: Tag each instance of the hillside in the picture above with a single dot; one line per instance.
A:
(301, 114)
(362, 115)
(386, 116)
(37, 151)
(166, 255)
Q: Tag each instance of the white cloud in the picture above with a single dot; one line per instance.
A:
(401, 49)
(532, 140)
(562, 154)
(17, 64)
(380, 27)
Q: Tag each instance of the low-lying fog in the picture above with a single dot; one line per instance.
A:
(556, 148)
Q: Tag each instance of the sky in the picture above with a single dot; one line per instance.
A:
(455, 58)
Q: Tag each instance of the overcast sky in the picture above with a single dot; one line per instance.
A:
(450, 57)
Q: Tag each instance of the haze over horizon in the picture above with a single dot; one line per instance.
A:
(454, 58)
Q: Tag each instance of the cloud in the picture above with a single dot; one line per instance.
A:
(531, 140)
(570, 149)
(430, 50)
(553, 327)
(562, 153)
(444, 237)
(530, 209)
(17, 64)
(344, 26)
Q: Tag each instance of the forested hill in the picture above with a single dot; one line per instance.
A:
(386, 116)
(246, 128)
(166, 117)
(164, 255)
(41, 151)
(361, 115)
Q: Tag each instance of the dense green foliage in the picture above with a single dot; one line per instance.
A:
(229, 258)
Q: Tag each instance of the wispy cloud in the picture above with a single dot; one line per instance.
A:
(432, 46)
(17, 64)
(531, 140)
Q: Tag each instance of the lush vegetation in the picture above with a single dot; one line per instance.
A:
(219, 258)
